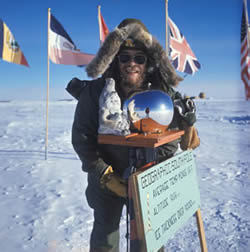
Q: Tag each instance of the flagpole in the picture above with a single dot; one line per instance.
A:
(246, 15)
(248, 44)
(166, 8)
(99, 22)
(47, 101)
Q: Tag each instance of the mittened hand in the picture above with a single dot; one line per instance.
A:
(186, 110)
(114, 183)
(190, 139)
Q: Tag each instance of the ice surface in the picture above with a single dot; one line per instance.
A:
(42, 203)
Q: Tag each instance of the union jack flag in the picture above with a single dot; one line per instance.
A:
(245, 51)
(183, 58)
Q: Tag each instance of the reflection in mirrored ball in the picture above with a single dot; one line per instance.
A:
(152, 109)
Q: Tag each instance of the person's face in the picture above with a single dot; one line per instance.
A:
(132, 65)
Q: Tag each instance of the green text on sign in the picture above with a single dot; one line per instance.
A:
(169, 196)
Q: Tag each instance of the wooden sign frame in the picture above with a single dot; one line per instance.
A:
(141, 140)
(140, 221)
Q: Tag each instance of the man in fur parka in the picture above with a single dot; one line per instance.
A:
(135, 61)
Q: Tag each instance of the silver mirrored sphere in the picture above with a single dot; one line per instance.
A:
(154, 107)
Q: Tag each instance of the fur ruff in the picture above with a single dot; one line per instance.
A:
(114, 41)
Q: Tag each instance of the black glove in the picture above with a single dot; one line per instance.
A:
(186, 110)
(75, 87)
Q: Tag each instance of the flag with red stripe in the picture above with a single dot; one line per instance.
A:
(9, 48)
(245, 51)
(62, 49)
(104, 31)
(181, 54)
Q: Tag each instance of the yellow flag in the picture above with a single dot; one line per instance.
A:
(9, 48)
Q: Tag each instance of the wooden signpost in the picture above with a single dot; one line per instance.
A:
(165, 195)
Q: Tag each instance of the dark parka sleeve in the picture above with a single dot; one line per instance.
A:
(85, 128)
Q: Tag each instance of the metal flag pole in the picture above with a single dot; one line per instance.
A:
(247, 23)
(166, 8)
(47, 100)
(99, 22)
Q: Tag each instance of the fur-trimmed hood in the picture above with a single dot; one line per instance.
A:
(134, 29)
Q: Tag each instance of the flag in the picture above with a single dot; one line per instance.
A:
(9, 48)
(62, 50)
(104, 31)
(245, 52)
(183, 58)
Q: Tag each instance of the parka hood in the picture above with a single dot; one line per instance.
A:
(133, 33)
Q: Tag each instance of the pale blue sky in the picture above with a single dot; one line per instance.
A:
(212, 28)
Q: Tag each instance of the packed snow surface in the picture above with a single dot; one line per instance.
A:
(42, 202)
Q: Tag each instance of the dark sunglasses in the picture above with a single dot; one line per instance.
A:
(138, 59)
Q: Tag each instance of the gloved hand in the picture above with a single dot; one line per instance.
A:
(114, 182)
(190, 139)
(186, 110)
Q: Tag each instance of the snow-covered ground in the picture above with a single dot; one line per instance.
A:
(42, 203)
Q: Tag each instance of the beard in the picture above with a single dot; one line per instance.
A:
(131, 79)
(128, 88)
(132, 84)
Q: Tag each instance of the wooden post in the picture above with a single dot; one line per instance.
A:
(200, 226)
(47, 100)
